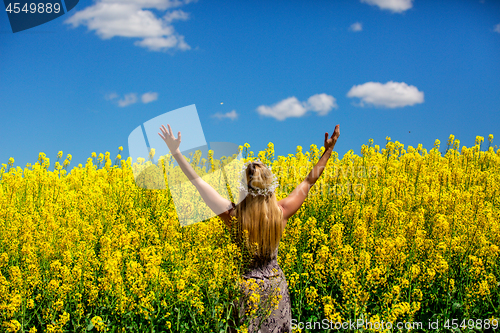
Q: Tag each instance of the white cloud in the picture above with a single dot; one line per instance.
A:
(390, 95)
(176, 15)
(291, 107)
(356, 27)
(111, 96)
(231, 115)
(149, 97)
(157, 4)
(128, 18)
(321, 103)
(131, 98)
(127, 100)
(497, 28)
(395, 6)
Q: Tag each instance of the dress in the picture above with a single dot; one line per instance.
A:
(265, 277)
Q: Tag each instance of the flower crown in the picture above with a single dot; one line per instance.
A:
(247, 189)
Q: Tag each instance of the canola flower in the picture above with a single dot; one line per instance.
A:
(393, 234)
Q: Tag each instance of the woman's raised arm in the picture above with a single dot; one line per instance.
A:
(212, 198)
(295, 199)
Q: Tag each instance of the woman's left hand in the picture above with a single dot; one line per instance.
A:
(170, 140)
(330, 142)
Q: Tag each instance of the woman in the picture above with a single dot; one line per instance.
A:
(266, 301)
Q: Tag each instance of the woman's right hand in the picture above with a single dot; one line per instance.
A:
(170, 140)
(330, 142)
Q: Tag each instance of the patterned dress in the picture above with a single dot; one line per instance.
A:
(271, 308)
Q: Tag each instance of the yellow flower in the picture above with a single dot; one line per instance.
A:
(63, 319)
(120, 148)
(311, 295)
(396, 215)
(94, 155)
(181, 284)
(60, 154)
(98, 324)
(451, 139)
(13, 325)
(95, 319)
(58, 305)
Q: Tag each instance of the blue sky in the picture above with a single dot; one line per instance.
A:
(258, 71)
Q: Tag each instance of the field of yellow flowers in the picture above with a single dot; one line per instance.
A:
(393, 234)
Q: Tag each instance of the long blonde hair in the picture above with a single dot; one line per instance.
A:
(260, 215)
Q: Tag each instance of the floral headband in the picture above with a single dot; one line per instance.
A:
(247, 189)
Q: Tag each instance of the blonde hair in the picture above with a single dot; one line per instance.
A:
(260, 215)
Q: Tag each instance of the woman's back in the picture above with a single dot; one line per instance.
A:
(266, 300)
